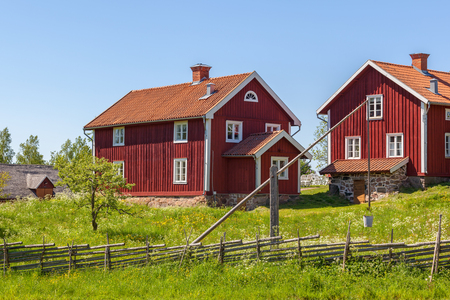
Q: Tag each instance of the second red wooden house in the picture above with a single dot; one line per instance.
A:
(211, 136)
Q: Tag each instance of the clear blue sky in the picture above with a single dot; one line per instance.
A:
(62, 63)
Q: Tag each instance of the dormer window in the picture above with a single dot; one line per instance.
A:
(119, 136)
(251, 96)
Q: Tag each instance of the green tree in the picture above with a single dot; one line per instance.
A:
(71, 151)
(29, 153)
(320, 151)
(97, 181)
(4, 177)
(305, 167)
(6, 152)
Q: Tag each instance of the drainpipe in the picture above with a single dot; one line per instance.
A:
(299, 127)
(92, 143)
(317, 115)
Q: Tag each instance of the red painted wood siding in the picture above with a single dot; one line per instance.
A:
(284, 149)
(254, 116)
(148, 155)
(242, 180)
(401, 114)
(438, 164)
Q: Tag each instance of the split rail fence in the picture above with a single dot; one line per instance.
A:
(48, 257)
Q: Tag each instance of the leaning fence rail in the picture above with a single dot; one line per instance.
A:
(48, 257)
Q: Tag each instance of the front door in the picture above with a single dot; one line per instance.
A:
(359, 191)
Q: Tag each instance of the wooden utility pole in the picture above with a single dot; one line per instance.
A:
(274, 202)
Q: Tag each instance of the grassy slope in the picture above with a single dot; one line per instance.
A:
(413, 215)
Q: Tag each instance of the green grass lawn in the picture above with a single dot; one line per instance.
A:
(413, 215)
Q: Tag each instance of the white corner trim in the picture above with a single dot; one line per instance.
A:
(329, 139)
(383, 72)
(207, 171)
(423, 117)
(253, 75)
(398, 166)
(257, 171)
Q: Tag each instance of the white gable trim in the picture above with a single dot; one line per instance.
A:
(398, 166)
(253, 75)
(383, 72)
(282, 134)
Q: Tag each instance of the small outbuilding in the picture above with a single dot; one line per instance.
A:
(30, 180)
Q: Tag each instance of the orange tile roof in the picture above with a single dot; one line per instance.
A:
(420, 82)
(252, 144)
(167, 103)
(360, 165)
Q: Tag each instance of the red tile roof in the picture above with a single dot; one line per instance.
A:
(167, 103)
(420, 82)
(252, 144)
(378, 165)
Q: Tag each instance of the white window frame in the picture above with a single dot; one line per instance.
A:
(179, 125)
(177, 170)
(234, 123)
(121, 170)
(447, 114)
(284, 175)
(388, 136)
(347, 144)
(374, 97)
(116, 133)
(447, 144)
(271, 125)
(251, 100)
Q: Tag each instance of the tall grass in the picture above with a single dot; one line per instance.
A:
(412, 214)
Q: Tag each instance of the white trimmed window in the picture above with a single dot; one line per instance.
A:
(272, 127)
(447, 114)
(234, 131)
(251, 96)
(394, 145)
(353, 147)
(281, 162)
(119, 136)
(180, 171)
(447, 144)
(375, 107)
(120, 171)
(180, 132)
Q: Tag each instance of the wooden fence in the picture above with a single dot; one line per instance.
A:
(48, 257)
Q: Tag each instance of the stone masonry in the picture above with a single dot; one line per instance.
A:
(381, 184)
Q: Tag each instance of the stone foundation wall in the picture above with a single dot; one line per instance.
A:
(213, 201)
(381, 184)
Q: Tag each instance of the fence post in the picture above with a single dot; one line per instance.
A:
(70, 257)
(221, 251)
(257, 247)
(437, 247)
(147, 254)
(390, 249)
(5, 256)
(41, 259)
(299, 247)
(107, 254)
(347, 246)
(274, 202)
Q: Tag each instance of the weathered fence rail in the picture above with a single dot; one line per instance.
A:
(48, 257)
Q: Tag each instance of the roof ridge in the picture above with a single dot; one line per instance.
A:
(184, 83)
(406, 66)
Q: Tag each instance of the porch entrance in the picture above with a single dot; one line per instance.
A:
(359, 191)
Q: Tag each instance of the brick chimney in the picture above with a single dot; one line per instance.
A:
(200, 71)
(419, 60)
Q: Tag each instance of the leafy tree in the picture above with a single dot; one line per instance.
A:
(320, 151)
(305, 167)
(29, 153)
(98, 182)
(71, 151)
(6, 153)
(4, 177)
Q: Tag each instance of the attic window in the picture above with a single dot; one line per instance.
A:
(119, 136)
(251, 96)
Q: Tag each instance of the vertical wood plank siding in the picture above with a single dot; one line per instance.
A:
(149, 152)
(254, 116)
(438, 164)
(285, 149)
(401, 114)
(243, 178)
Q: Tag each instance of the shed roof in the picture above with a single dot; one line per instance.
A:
(377, 165)
(25, 177)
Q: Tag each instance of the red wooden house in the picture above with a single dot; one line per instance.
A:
(200, 138)
(409, 117)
